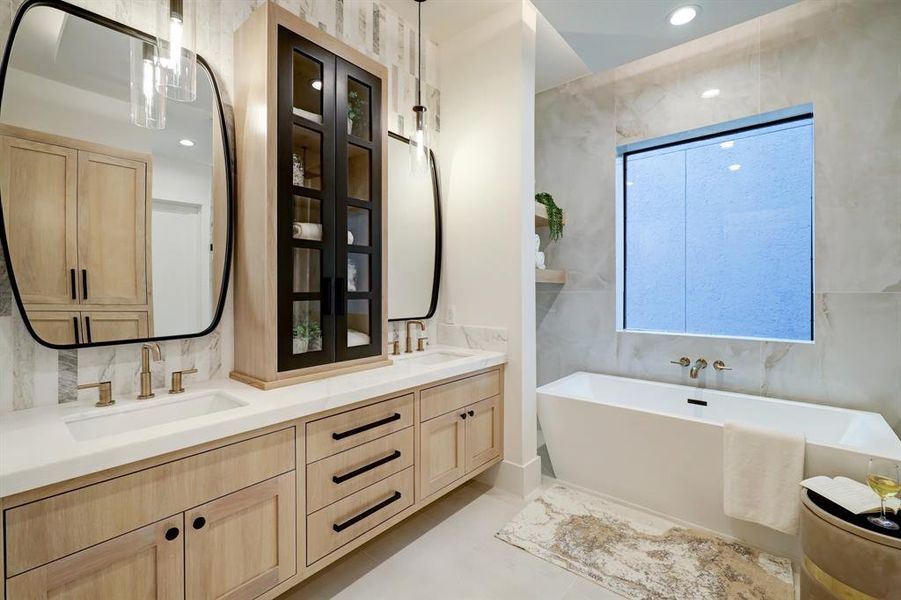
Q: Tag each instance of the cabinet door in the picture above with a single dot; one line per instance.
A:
(483, 432)
(113, 229)
(442, 455)
(306, 203)
(57, 326)
(110, 326)
(145, 564)
(243, 544)
(358, 202)
(38, 188)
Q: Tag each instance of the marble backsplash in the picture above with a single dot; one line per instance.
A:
(32, 375)
(843, 58)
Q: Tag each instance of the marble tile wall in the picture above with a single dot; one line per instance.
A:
(32, 375)
(841, 56)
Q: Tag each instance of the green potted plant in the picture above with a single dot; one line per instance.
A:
(307, 336)
(554, 215)
(355, 112)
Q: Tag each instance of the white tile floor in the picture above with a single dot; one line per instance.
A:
(448, 550)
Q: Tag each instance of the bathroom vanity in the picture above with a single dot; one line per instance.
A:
(248, 498)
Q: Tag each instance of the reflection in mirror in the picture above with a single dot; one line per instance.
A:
(414, 236)
(115, 232)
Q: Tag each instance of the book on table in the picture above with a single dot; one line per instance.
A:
(851, 495)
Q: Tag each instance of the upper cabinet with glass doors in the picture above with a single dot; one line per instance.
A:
(319, 299)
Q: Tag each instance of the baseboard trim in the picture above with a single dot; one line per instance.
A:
(521, 480)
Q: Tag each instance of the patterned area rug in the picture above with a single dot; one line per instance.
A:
(642, 556)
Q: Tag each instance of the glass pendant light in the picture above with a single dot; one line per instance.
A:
(420, 156)
(177, 30)
(148, 105)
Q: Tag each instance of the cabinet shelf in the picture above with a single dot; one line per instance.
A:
(550, 276)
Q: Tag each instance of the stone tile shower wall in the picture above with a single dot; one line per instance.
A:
(841, 56)
(32, 375)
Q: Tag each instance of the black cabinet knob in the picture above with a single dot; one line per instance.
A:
(463, 416)
(171, 533)
(472, 413)
(199, 522)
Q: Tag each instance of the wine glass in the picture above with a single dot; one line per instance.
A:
(884, 477)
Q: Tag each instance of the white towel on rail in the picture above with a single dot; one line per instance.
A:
(761, 472)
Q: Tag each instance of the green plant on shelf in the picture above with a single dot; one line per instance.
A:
(307, 330)
(554, 215)
(355, 109)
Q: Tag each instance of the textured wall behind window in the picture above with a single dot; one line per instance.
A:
(719, 235)
(32, 375)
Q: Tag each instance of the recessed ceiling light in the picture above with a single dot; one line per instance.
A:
(727, 145)
(683, 15)
(734, 167)
(317, 84)
(711, 93)
(186, 142)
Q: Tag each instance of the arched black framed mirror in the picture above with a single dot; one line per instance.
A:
(112, 232)
(414, 235)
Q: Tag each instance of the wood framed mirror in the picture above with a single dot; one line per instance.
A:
(112, 232)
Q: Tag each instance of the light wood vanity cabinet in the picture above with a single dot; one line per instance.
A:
(79, 216)
(236, 518)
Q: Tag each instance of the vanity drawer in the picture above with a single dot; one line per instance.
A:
(347, 519)
(341, 475)
(457, 394)
(346, 430)
(48, 529)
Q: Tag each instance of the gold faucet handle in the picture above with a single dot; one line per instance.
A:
(721, 366)
(177, 387)
(684, 361)
(395, 347)
(420, 343)
(105, 392)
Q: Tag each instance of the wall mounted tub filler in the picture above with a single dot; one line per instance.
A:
(699, 365)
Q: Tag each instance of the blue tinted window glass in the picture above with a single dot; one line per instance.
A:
(742, 208)
(655, 243)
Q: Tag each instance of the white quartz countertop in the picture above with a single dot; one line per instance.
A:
(37, 447)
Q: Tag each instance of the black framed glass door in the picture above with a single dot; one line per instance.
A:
(306, 203)
(358, 206)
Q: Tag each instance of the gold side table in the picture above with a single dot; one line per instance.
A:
(842, 558)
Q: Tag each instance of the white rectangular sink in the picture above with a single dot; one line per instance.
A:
(110, 421)
(433, 358)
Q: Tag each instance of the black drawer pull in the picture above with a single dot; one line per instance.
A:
(339, 527)
(75, 325)
(382, 461)
(471, 413)
(72, 281)
(367, 427)
(171, 533)
(199, 522)
(84, 284)
(87, 329)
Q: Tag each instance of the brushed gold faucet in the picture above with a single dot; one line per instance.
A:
(105, 392)
(146, 383)
(701, 363)
(410, 337)
(177, 386)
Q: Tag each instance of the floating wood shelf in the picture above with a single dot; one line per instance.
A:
(550, 276)
(541, 215)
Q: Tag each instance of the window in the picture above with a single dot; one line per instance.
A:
(716, 230)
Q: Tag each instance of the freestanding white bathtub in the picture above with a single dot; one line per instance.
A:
(660, 447)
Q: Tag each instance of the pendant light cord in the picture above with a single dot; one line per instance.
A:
(419, 52)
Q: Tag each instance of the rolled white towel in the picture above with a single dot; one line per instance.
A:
(307, 231)
(350, 237)
(539, 260)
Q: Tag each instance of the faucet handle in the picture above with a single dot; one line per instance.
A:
(105, 391)
(177, 387)
(684, 361)
(721, 366)
(420, 343)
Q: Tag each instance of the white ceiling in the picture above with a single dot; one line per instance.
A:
(609, 33)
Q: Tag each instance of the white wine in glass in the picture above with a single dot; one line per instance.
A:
(884, 477)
